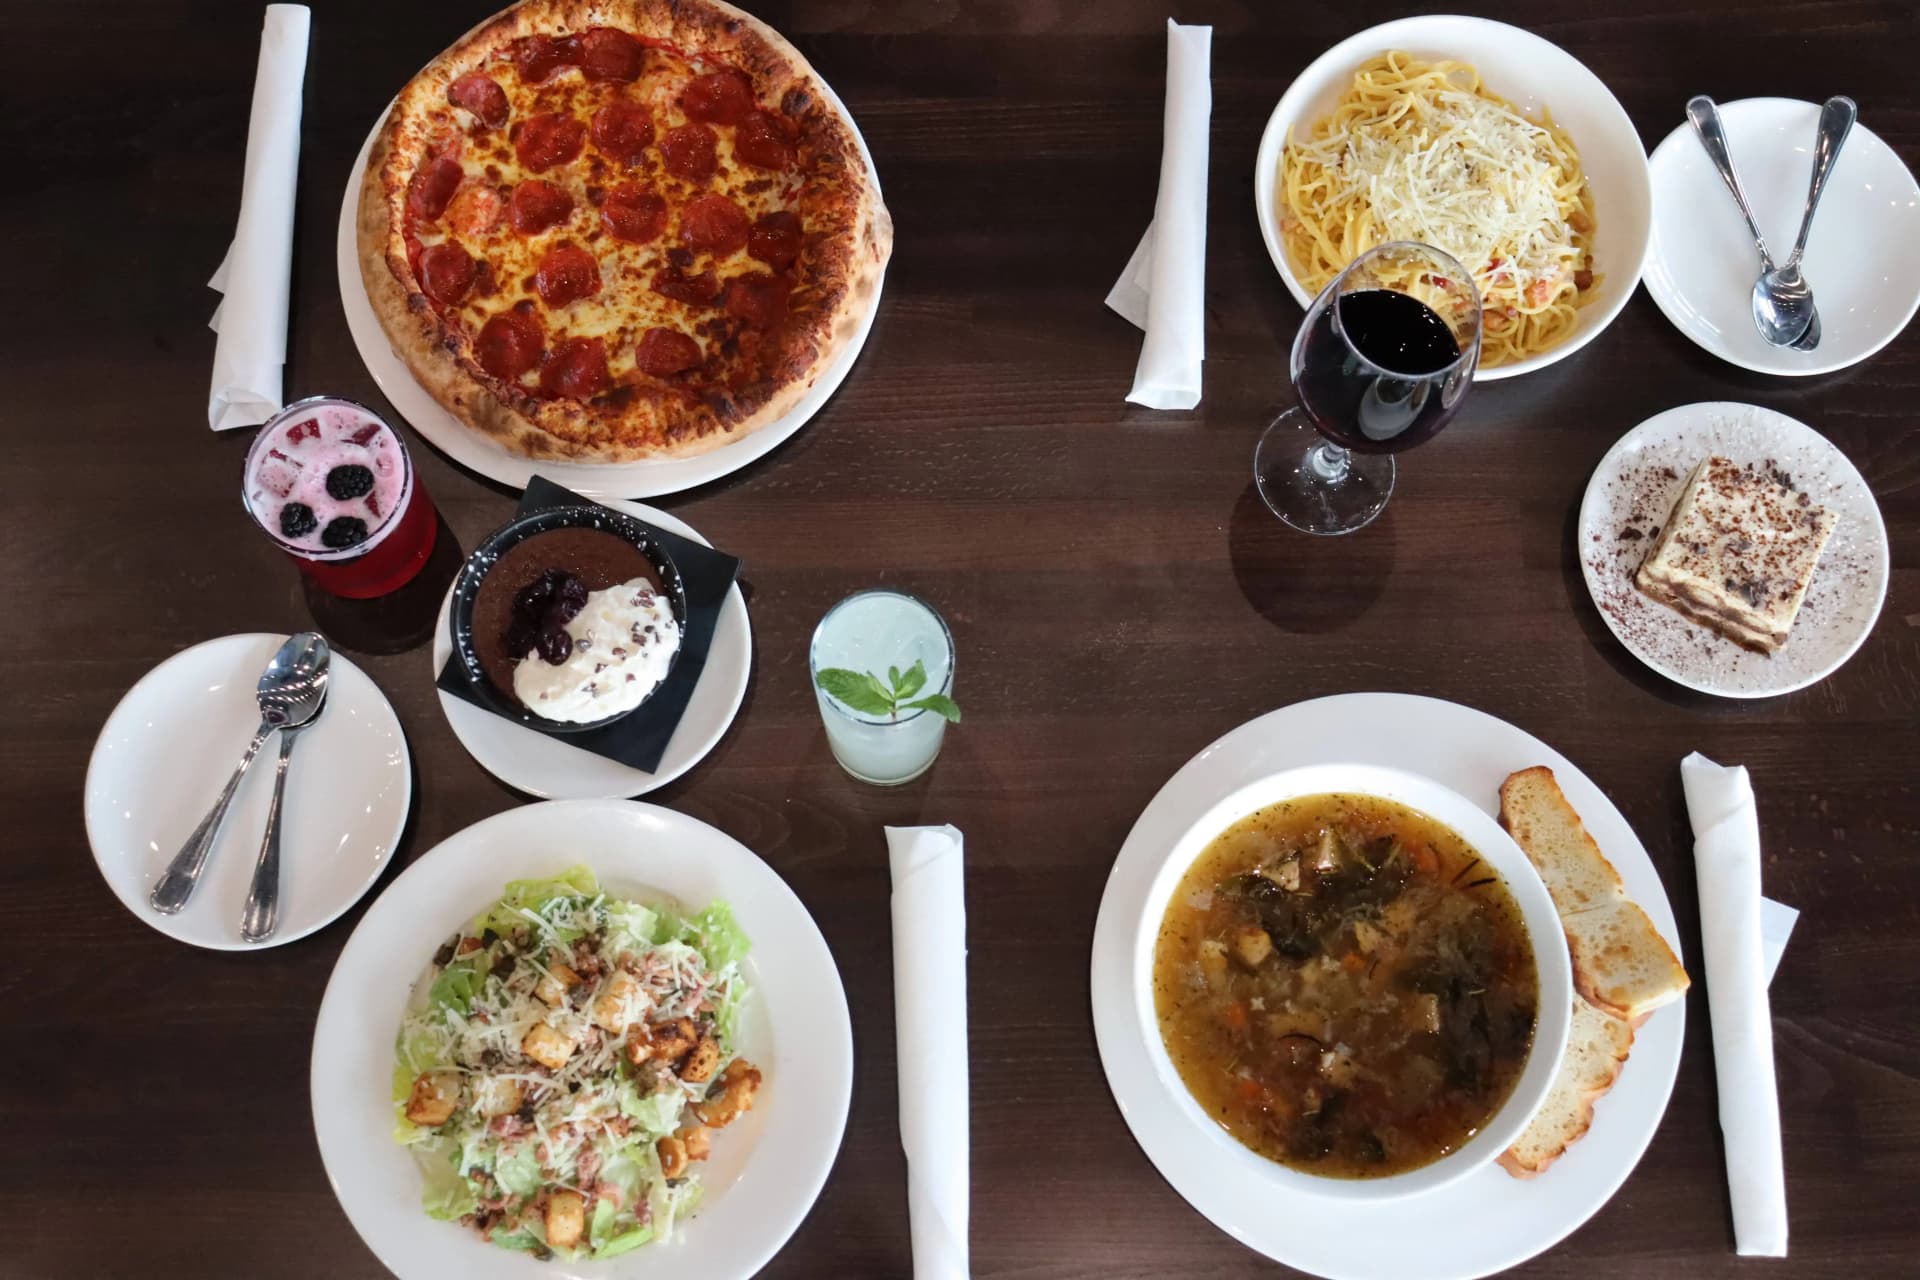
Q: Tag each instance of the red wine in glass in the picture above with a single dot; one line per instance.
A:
(1367, 370)
(1383, 360)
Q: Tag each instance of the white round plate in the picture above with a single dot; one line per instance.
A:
(1486, 1221)
(170, 746)
(1862, 259)
(766, 1169)
(1529, 72)
(1635, 488)
(469, 448)
(553, 769)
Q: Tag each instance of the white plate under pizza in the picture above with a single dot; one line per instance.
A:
(633, 244)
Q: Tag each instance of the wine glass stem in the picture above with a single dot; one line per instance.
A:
(1328, 462)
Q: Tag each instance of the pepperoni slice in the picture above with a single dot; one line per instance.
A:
(775, 239)
(509, 344)
(606, 54)
(719, 97)
(758, 299)
(576, 369)
(762, 142)
(476, 210)
(567, 273)
(431, 187)
(634, 213)
(664, 352)
(478, 94)
(702, 290)
(446, 272)
(547, 140)
(713, 224)
(688, 150)
(538, 57)
(624, 130)
(537, 205)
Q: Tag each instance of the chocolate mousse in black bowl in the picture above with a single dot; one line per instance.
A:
(569, 618)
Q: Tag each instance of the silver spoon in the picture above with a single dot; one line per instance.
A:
(262, 913)
(1836, 122)
(283, 686)
(1781, 318)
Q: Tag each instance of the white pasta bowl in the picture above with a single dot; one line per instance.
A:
(1474, 825)
(1532, 74)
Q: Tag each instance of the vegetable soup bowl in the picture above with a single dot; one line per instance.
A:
(1532, 74)
(1475, 826)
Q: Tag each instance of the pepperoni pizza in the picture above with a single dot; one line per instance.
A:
(605, 230)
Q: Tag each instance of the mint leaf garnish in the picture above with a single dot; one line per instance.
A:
(866, 693)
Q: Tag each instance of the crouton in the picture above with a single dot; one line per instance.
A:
(620, 1001)
(435, 1094)
(547, 1047)
(555, 983)
(702, 1062)
(496, 1096)
(730, 1096)
(698, 1140)
(673, 1157)
(566, 1219)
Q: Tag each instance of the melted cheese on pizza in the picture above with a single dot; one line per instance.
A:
(600, 212)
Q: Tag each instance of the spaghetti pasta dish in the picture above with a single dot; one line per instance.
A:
(1424, 151)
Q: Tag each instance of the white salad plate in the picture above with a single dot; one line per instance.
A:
(1533, 74)
(1633, 491)
(168, 749)
(1863, 255)
(1476, 1225)
(643, 479)
(554, 769)
(767, 1168)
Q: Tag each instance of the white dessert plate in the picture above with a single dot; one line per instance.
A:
(1533, 74)
(1634, 489)
(469, 448)
(553, 769)
(1482, 1223)
(170, 746)
(1863, 255)
(767, 1168)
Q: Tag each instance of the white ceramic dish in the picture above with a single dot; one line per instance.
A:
(1482, 1223)
(1496, 848)
(554, 769)
(1635, 487)
(470, 449)
(766, 1169)
(1532, 74)
(1863, 255)
(169, 747)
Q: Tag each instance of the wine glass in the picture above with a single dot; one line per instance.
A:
(1382, 361)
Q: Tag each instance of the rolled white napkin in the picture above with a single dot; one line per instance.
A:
(252, 318)
(1726, 857)
(930, 1013)
(1163, 289)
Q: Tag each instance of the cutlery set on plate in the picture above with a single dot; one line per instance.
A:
(292, 693)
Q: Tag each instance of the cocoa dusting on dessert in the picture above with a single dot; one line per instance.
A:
(546, 579)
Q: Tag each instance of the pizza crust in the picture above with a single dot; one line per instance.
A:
(438, 354)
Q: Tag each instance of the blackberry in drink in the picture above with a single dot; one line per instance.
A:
(332, 483)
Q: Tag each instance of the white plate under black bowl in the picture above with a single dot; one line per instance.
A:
(552, 768)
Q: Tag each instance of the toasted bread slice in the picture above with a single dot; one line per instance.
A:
(1597, 1047)
(1620, 961)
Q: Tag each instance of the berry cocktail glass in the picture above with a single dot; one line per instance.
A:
(331, 482)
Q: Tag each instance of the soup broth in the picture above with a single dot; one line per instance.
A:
(1345, 986)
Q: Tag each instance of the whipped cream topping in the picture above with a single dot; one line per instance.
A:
(623, 643)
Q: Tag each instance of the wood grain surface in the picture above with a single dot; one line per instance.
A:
(1118, 595)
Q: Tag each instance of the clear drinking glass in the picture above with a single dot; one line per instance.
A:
(1382, 362)
(872, 631)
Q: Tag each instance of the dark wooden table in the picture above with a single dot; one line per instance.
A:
(1118, 595)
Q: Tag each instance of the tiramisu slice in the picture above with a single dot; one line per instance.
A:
(1737, 552)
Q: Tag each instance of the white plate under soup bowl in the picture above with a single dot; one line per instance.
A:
(1529, 72)
(1454, 811)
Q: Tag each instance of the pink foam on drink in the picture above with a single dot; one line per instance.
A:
(292, 466)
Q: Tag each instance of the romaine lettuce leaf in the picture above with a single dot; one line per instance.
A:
(446, 1195)
(519, 1172)
(532, 895)
(655, 1115)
